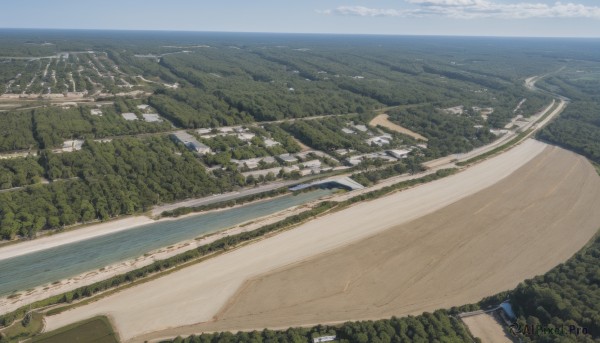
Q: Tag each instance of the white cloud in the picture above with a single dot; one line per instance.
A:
(364, 11)
(473, 9)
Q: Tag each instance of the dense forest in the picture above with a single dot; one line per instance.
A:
(49, 127)
(578, 127)
(446, 133)
(105, 180)
(566, 297)
(327, 135)
(428, 327)
(210, 80)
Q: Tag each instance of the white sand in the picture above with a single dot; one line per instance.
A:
(196, 294)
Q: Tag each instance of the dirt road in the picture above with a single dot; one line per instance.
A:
(383, 120)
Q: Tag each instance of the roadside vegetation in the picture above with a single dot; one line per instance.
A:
(496, 150)
(428, 327)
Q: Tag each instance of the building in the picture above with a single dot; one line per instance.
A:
(245, 136)
(455, 110)
(354, 160)
(143, 107)
(312, 164)
(129, 116)
(95, 112)
(270, 143)
(151, 117)
(190, 142)
(379, 140)
(72, 145)
(306, 171)
(204, 131)
(269, 159)
(264, 172)
(398, 153)
(287, 158)
(347, 130)
(361, 128)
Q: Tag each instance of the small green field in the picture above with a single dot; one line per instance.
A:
(96, 330)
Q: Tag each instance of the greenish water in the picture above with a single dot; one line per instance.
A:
(46, 266)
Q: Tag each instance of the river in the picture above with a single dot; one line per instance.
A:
(47, 266)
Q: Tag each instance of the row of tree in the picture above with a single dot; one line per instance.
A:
(428, 327)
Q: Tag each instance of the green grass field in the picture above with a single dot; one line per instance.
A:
(94, 330)
(17, 331)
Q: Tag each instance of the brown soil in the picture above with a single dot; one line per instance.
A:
(383, 120)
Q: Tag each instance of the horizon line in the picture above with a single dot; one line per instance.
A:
(297, 33)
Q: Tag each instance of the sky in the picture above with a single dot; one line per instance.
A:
(532, 18)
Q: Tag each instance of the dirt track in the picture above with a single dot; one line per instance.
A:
(383, 120)
(459, 254)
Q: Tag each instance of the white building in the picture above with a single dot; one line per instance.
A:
(270, 143)
(312, 164)
(287, 158)
(379, 140)
(96, 112)
(190, 142)
(361, 128)
(129, 116)
(347, 130)
(72, 145)
(398, 153)
(151, 117)
(143, 107)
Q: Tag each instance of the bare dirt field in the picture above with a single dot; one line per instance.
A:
(486, 327)
(383, 120)
(481, 245)
(391, 256)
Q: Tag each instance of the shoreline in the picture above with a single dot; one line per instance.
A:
(89, 231)
(10, 302)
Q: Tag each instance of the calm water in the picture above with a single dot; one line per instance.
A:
(42, 267)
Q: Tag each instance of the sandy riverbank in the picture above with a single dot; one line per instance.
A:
(42, 292)
(476, 247)
(196, 294)
(62, 238)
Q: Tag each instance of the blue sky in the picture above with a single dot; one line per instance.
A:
(579, 18)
